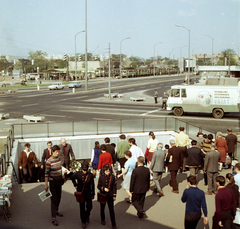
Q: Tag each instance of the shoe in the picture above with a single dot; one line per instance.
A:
(155, 190)
(161, 193)
(59, 214)
(84, 225)
(54, 222)
(103, 222)
(208, 193)
(88, 220)
(140, 216)
(177, 192)
(114, 227)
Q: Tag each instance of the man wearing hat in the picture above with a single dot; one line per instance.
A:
(83, 181)
(164, 101)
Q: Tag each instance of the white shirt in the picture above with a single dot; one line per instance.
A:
(152, 145)
(136, 152)
(27, 152)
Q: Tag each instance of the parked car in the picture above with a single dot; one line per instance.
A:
(56, 86)
(75, 84)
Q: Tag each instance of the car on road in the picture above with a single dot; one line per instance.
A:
(75, 84)
(56, 86)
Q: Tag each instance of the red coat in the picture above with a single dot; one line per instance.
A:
(222, 148)
(23, 160)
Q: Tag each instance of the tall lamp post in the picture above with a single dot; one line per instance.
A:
(154, 56)
(188, 51)
(86, 64)
(76, 54)
(121, 55)
(212, 44)
(238, 51)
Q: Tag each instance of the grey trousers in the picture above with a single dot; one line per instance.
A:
(157, 179)
(193, 171)
(212, 185)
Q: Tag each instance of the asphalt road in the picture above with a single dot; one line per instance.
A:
(64, 106)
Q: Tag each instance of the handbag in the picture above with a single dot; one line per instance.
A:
(102, 198)
(79, 195)
(170, 159)
(237, 217)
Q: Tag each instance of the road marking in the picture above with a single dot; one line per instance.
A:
(149, 112)
(35, 95)
(60, 116)
(28, 105)
(104, 119)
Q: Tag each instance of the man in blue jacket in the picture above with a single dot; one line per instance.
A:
(195, 200)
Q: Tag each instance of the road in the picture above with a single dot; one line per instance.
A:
(64, 106)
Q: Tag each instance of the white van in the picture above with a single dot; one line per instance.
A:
(215, 99)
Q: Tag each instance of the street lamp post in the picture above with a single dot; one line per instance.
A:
(154, 56)
(212, 44)
(76, 54)
(188, 51)
(86, 64)
(121, 55)
(238, 51)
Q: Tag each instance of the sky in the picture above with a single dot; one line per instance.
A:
(51, 25)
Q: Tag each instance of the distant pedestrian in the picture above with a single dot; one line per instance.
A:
(105, 158)
(182, 141)
(164, 101)
(165, 162)
(65, 152)
(107, 185)
(129, 166)
(225, 206)
(135, 150)
(155, 96)
(221, 145)
(96, 151)
(139, 185)
(151, 147)
(199, 139)
(211, 168)
(195, 200)
(195, 158)
(110, 149)
(174, 160)
(157, 167)
(53, 174)
(122, 147)
(231, 143)
(85, 184)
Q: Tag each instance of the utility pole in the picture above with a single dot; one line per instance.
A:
(109, 73)
(86, 63)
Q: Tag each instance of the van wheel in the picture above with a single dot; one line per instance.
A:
(178, 111)
(218, 113)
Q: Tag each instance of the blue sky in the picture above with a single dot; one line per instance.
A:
(50, 26)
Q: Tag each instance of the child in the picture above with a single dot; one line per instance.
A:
(166, 150)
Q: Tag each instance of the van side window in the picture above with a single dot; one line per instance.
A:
(183, 93)
(175, 93)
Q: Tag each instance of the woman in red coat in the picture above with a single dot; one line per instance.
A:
(25, 162)
(222, 148)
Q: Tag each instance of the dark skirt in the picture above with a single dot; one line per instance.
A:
(95, 166)
(149, 156)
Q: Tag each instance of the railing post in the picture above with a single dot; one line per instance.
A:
(48, 129)
(120, 126)
(175, 125)
(165, 123)
(143, 125)
(21, 130)
(97, 127)
(73, 128)
(187, 128)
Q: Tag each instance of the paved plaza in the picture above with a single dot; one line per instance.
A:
(166, 213)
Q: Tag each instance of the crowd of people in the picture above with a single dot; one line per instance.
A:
(127, 162)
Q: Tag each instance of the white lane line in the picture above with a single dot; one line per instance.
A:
(69, 99)
(28, 105)
(35, 95)
(60, 116)
(104, 119)
(149, 112)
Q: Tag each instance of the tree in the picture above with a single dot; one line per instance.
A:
(61, 63)
(230, 55)
(3, 63)
(40, 60)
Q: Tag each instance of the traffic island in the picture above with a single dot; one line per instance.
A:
(33, 118)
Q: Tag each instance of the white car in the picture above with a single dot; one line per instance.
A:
(56, 86)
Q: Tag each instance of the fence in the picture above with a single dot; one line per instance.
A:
(98, 127)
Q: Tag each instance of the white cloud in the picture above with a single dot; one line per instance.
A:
(185, 13)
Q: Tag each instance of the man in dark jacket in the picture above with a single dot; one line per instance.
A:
(211, 168)
(139, 185)
(194, 158)
(231, 142)
(175, 161)
(110, 149)
(65, 152)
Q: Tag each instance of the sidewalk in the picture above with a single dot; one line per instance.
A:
(166, 212)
